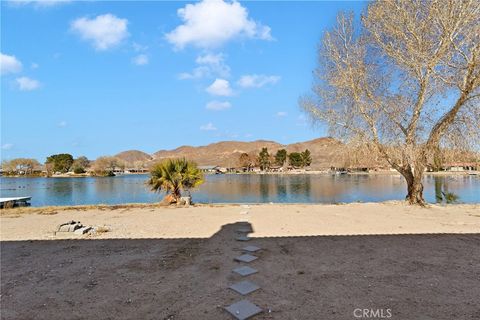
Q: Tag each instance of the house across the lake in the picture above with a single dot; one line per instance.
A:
(208, 169)
(135, 170)
(461, 166)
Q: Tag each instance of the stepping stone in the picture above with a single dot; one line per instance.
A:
(244, 287)
(243, 309)
(251, 248)
(242, 238)
(245, 271)
(245, 258)
(244, 212)
(70, 226)
(83, 230)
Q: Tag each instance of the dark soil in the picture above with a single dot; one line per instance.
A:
(413, 276)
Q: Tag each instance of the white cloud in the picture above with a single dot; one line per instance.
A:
(62, 124)
(38, 3)
(218, 105)
(216, 64)
(281, 114)
(138, 47)
(209, 58)
(34, 65)
(27, 84)
(208, 127)
(211, 23)
(9, 64)
(7, 146)
(257, 80)
(140, 60)
(104, 31)
(220, 87)
(208, 65)
(197, 73)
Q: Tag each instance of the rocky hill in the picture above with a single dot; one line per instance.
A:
(227, 153)
(326, 152)
(132, 156)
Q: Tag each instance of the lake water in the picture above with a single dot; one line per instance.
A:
(239, 189)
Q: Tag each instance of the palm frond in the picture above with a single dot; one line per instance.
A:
(174, 176)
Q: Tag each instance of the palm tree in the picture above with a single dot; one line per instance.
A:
(175, 175)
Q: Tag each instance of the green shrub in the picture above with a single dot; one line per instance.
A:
(78, 170)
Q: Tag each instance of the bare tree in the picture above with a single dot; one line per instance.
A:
(245, 161)
(358, 154)
(406, 80)
(106, 165)
(23, 166)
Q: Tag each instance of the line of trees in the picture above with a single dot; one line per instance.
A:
(64, 163)
(264, 160)
(21, 166)
(102, 166)
(300, 159)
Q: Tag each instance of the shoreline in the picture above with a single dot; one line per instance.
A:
(200, 221)
(312, 172)
(160, 205)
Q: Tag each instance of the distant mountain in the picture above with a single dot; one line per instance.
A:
(227, 153)
(326, 152)
(133, 156)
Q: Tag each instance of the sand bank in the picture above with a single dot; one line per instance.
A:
(267, 220)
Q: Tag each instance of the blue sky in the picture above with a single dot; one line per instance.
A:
(97, 78)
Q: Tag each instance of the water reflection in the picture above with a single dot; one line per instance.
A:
(264, 185)
(242, 189)
(281, 186)
(442, 193)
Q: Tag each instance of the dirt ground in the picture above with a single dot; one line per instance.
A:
(310, 277)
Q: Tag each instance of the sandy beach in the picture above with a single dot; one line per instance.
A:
(316, 262)
(267, 220)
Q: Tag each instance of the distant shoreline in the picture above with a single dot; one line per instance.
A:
(313, 172)
(53, 209)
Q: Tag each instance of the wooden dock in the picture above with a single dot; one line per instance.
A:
(14, 202)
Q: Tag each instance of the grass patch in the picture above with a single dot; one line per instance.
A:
(48, 212)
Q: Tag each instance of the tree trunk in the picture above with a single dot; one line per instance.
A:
(177, 194)
(414, 187)
(415, 193)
